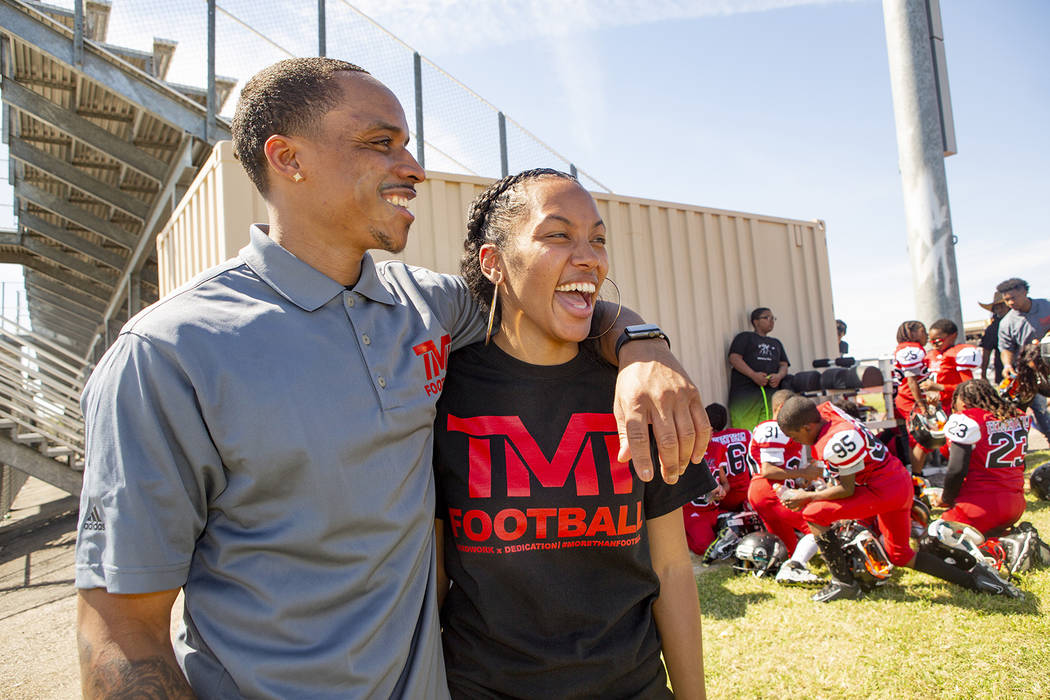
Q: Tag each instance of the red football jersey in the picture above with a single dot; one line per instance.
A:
(909, 360)
(846, 447)
(954, 366)
(999, 446)
(771, 444)
(735, 441)
(933, 358)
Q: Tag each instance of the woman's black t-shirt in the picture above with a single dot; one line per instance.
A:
(545, 536)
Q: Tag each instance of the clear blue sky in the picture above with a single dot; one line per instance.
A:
(783, 110)
(779, 107)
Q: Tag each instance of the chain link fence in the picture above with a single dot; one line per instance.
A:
(462, 133)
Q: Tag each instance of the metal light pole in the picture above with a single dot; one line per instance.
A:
(924, 137)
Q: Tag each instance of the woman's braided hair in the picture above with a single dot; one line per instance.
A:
(1032, 370)
(909, 331)
(979, 393)
(492, 218)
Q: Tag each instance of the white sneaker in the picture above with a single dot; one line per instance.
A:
(796, 572)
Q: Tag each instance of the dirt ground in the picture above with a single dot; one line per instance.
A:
(37, 614)
(38, 648)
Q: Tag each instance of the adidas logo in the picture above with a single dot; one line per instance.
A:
(94, 521)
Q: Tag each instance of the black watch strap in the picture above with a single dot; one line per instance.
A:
(645, 331)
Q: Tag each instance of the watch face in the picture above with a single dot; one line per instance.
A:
(643, 329)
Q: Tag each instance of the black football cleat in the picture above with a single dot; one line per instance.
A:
(988, 581)
(837, 590)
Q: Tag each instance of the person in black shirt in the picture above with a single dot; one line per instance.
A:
(569, 575)
(990, 337)
(759, 363)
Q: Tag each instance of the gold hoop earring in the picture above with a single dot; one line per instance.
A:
(619, 308)
(492, 313)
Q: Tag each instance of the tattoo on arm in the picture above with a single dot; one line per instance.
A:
(149, 679)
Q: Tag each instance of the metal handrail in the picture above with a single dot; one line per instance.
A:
(36, 410)
(40, 386)
(29, 380)
(35, 363)
(35, 414)
(51, 435)
(43, 347)
(38, 406)
(57, 391)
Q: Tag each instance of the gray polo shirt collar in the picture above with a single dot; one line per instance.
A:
(301, 284)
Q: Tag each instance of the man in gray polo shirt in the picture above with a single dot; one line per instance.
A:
(261, 439)
(1027, 321)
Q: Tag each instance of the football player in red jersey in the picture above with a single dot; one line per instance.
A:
(984, 486)
(911, 367)
(701, 514)
(735, 441)
(869, 482)
(950, 364)
(775, 460)
(726, 457)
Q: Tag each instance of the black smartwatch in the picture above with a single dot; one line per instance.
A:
(644, 331)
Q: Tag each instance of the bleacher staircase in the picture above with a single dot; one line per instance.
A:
(41, 425)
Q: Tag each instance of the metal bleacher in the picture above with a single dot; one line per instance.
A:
(101, 149)
(41, 425)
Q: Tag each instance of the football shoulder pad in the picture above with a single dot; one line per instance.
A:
(910, 358)
(962, 429)
(844, 451)
(769, 434)
(968, 357)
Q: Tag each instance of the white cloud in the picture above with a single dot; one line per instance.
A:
(443, 27)
(440, 26)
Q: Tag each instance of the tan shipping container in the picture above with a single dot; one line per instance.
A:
(696, 271)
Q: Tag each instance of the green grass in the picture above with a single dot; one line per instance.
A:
(916, 637)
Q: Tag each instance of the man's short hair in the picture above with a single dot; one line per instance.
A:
(840, 326)
(755, 313)
(290, 98)
(796, 413)
(849, 407)
(778, 398)
(1011, 284)
(945, 325)
(717, 416)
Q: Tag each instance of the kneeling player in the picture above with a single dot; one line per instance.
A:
(988, 439)
(776, 461)
(735, 441)
(726, 457)
(911, 367)
(701, 514)
(870, 482)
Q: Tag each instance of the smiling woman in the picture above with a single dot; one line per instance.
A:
(548, 272)
(560, 587)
